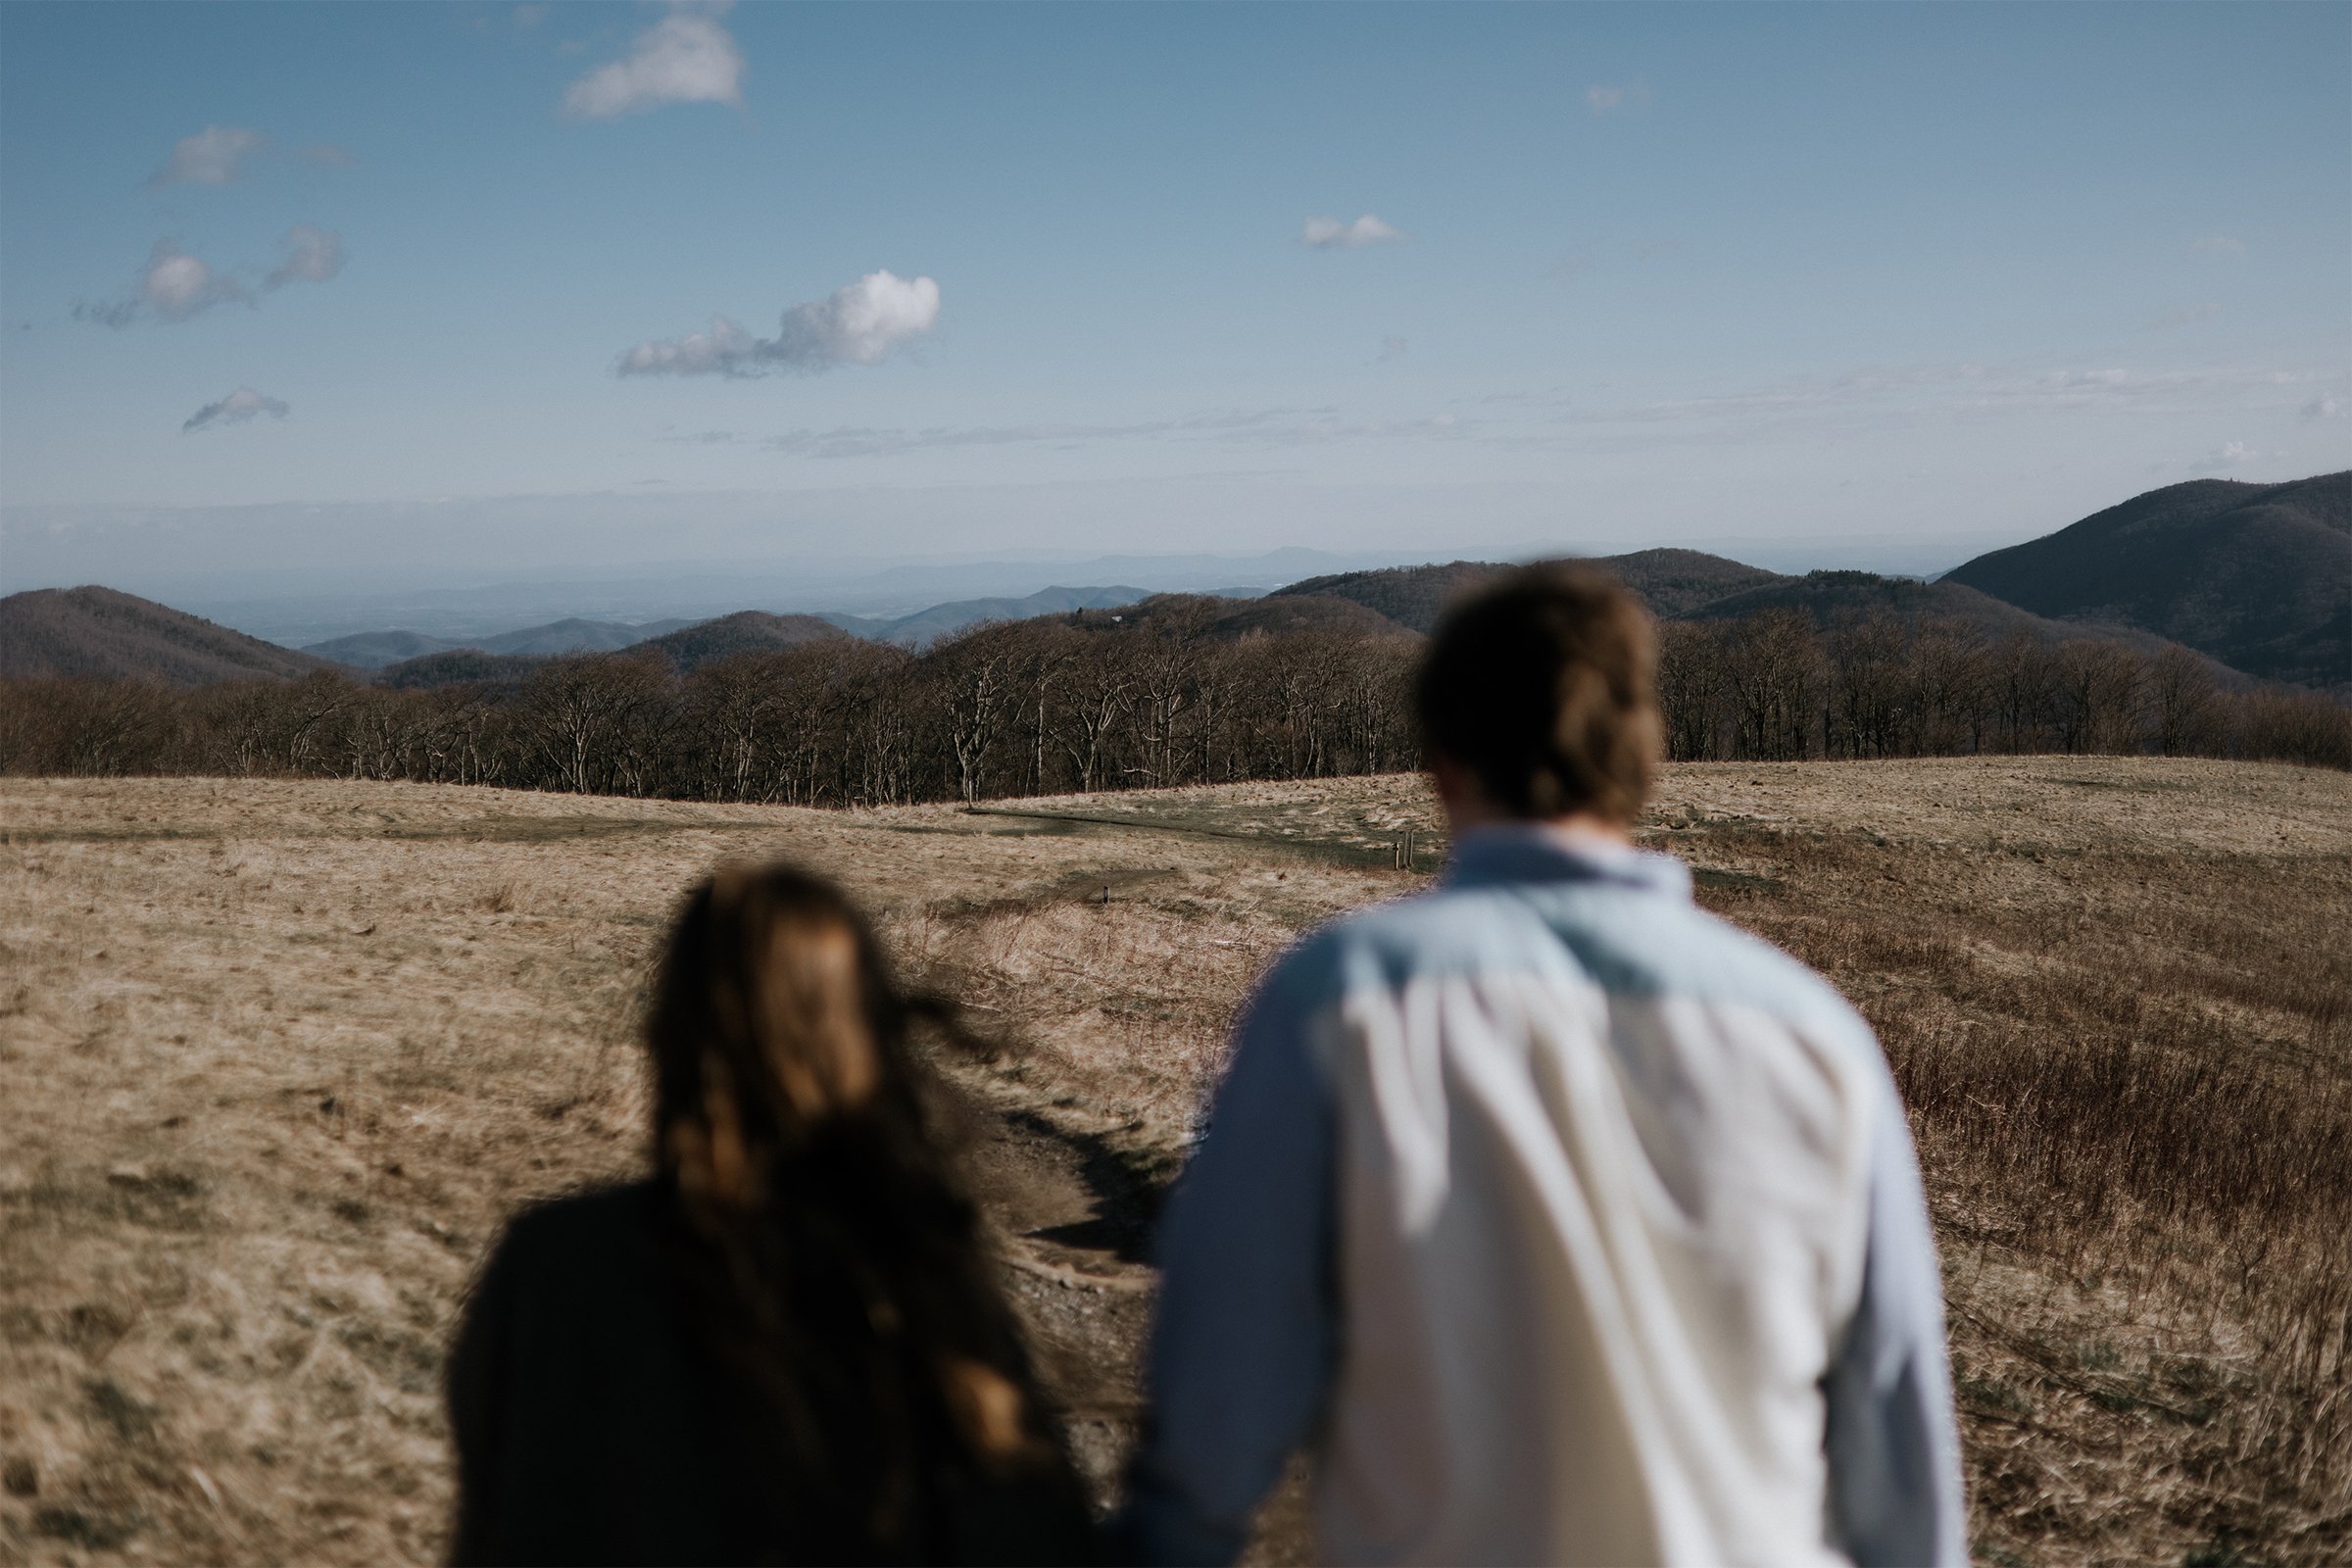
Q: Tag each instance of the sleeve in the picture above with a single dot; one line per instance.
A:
(1895, 1495)
(1244, 1344)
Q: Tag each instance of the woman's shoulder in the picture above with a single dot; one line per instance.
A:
(593, 1231)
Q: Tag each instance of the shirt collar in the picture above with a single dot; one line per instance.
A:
(1537, 852)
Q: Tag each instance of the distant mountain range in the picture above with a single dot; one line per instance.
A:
(376, 650)
(2257, 577)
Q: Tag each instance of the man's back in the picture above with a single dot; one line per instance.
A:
(1565, 1223)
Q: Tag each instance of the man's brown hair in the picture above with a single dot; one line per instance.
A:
(1543, 687)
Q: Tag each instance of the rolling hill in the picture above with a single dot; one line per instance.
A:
(2256, 575)
(100, 633)
(1678, 582)
(746, 631)
(380, 649)
(927, 627)
(1672, 582)
(1409, 596)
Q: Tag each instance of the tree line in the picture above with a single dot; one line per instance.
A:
(1054, 705)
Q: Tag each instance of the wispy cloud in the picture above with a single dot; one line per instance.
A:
(174, 287)
(1608, 97)
(860, 324)
(2229, 455)
(685, 58)
(328, 155)
(210, 157)
(1329, 233)
(2321, 409)
(235, 409)
(312, 255)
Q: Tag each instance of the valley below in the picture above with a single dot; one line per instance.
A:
(281, 1056)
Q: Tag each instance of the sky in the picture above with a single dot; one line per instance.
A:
(439, 292)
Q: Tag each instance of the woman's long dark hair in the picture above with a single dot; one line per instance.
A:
(828, 1252)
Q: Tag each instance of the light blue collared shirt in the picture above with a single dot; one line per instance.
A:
(1245, 1347)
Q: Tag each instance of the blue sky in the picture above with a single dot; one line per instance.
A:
(1008, 278)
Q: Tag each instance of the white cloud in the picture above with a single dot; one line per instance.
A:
(682, 59)
(2220, 244)
(210, 157)
(859, 324)
(174, 286)
(1329, 233)
(235, 409)
(2321, 409)
(327, 154)
(312, 255)
(726, 350)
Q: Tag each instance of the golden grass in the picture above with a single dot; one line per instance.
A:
(280, 1056)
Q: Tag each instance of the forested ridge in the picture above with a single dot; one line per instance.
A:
(1175, 691)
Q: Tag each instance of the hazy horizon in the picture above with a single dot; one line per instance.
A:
(804, 291)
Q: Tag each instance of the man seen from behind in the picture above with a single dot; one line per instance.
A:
(1557, 1220)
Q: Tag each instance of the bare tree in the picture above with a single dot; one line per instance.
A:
(1691, 687)
(1773, 670)
(2184, 704)
(2096, 686)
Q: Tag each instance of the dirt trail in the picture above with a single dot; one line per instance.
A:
(1074, 1227)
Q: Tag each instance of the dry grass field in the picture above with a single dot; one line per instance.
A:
(279, 1056)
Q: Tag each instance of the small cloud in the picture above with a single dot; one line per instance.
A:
(1391, 348)
(235, 409)
(1605, 97)
(326, 155)
(859, 324)
(2220, 245)
(1329, 233)
(2229, 455)
(210, 157)
(174, 287)
(2184, 315)
(527, 17)
(312, 255)
(2321, 409)
(682, 59)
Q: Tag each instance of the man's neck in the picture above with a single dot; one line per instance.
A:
(1576, 824)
